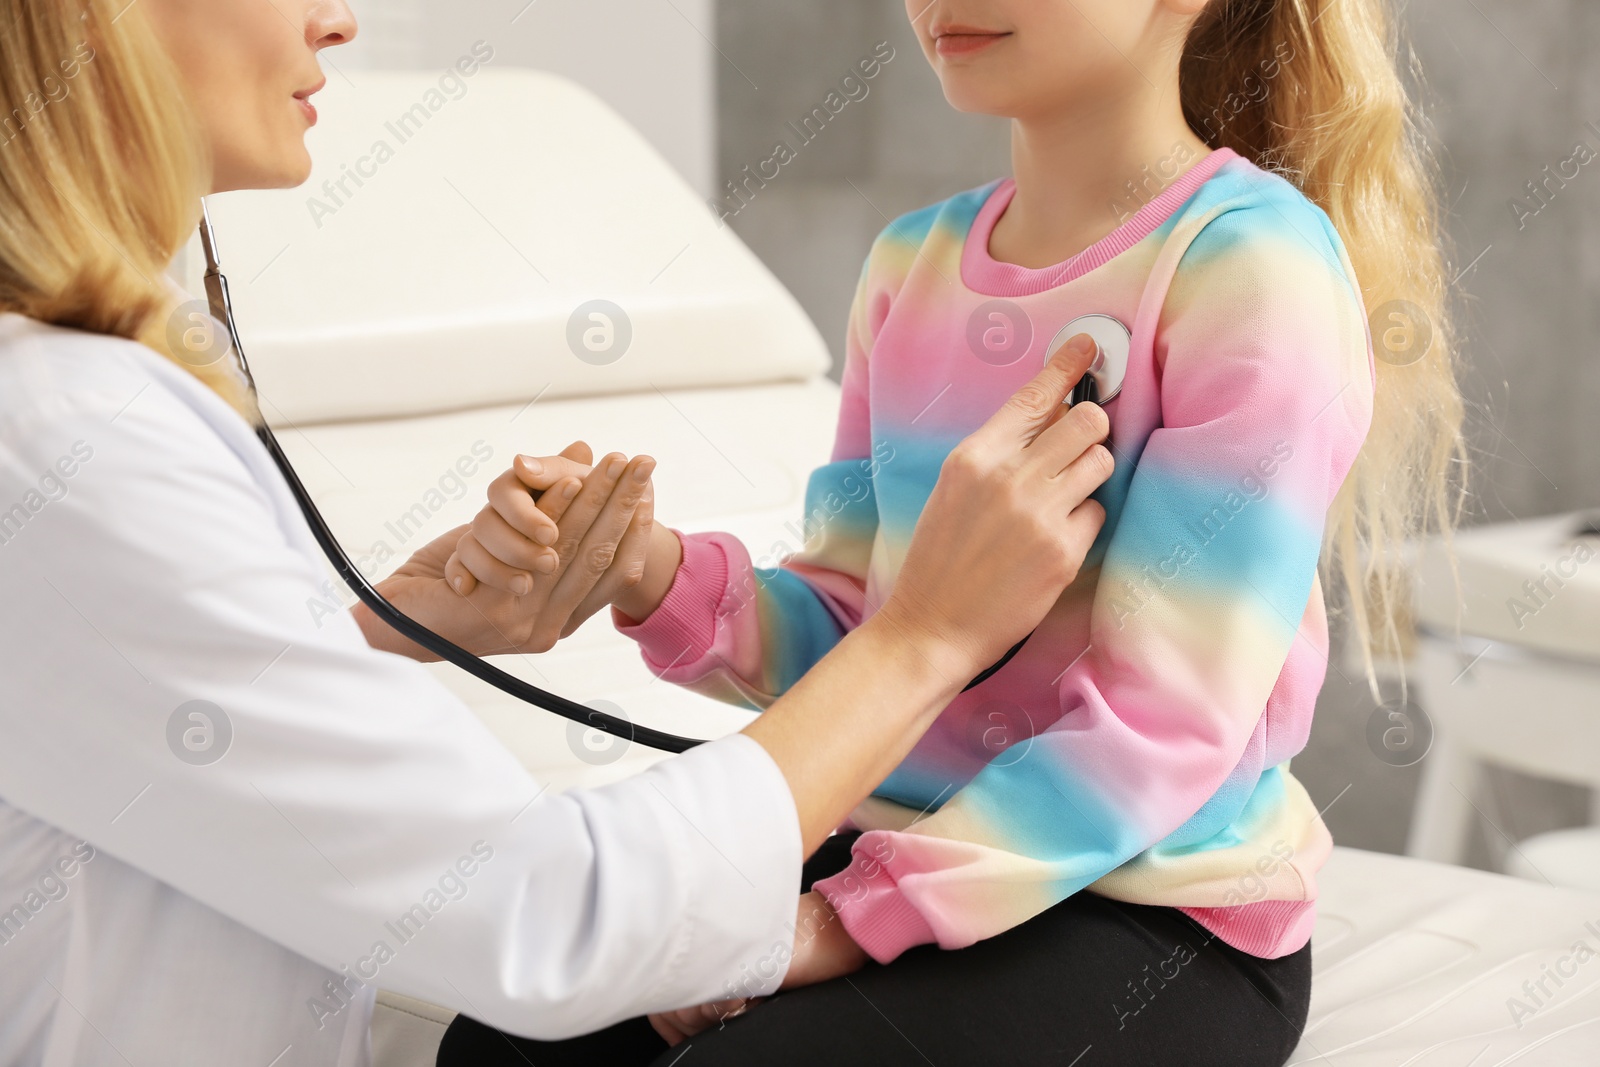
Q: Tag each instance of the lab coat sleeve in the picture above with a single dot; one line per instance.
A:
(743, 628)
(1208, 581)
(158, 615)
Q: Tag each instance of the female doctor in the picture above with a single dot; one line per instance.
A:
(223, 825)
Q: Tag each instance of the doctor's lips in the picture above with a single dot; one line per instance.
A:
(958, 40)
(303, 98)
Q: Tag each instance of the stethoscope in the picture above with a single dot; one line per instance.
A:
(1101, 384)
(1103, 380)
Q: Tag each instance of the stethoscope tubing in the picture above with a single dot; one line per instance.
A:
(444, 648)
(221, 306)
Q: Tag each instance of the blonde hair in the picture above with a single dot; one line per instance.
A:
(1311, 89)
(101, 171)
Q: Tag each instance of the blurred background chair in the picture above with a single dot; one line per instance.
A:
(1509, 675)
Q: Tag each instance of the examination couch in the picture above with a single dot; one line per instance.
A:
(423, 309)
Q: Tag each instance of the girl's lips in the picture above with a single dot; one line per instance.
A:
(966, 44)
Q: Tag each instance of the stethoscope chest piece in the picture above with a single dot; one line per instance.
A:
(1104, 377)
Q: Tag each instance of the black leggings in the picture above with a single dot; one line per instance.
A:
(1092, 982)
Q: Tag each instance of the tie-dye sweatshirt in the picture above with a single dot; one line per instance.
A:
(1138, 746)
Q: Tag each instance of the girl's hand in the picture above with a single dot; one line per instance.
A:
(822, 950)
(676, 1027)
(662, 558)
(1009, 522)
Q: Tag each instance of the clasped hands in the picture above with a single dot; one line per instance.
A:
(559, 538)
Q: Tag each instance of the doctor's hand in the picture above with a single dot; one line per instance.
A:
(1010, 521)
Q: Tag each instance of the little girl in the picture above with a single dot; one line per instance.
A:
(1215, 176)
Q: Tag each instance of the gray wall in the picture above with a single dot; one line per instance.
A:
(1512, 88)
(650, 60)
(897, 149)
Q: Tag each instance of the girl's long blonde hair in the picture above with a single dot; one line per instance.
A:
(101, 171)
(1313, 89)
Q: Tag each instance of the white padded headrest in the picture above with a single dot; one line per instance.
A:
(451, 228)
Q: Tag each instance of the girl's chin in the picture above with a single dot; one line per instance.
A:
(971, 100)
(987, 91)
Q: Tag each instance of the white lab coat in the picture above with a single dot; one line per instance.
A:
(361, 830)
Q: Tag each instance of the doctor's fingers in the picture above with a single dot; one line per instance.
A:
(1074, 485)
(510, 499)
(509, 545)
(1077, 535)
(541, 472)
(518, 556)
(528, 499)
(1035, 407)
(472, 565)
(1079, 432)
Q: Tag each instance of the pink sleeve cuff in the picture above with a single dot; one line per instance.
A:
(1267, 928)
(681, 630)
(875, 913)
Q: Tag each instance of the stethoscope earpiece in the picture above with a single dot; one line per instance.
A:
(1103, 380)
